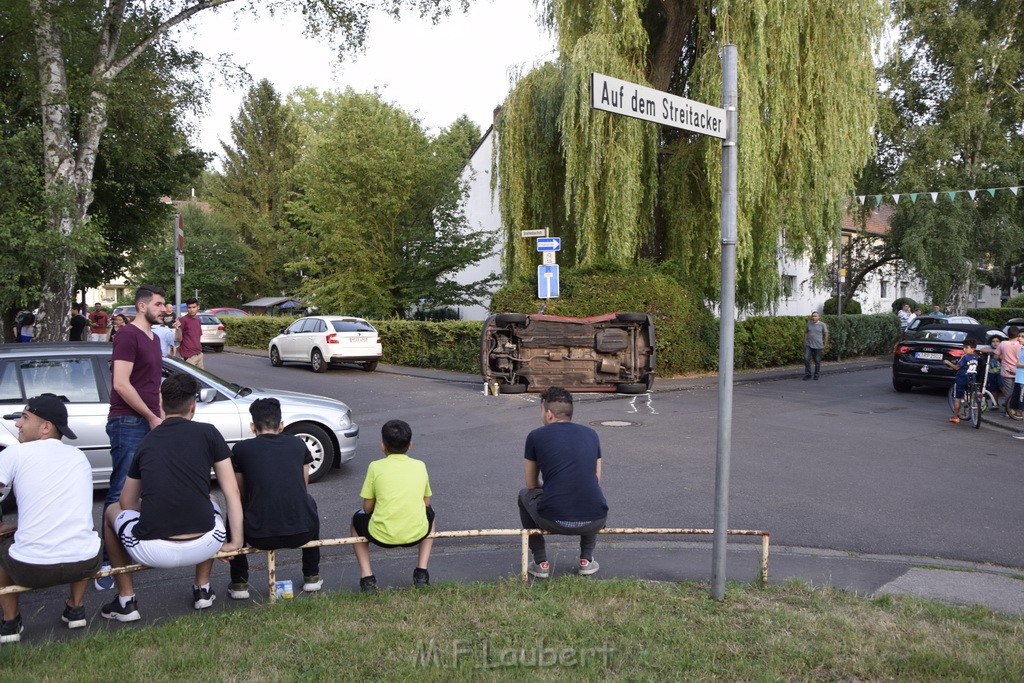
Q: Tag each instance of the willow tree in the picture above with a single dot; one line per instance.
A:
(617, 189)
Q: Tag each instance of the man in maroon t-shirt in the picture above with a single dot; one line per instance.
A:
(98, 320)
(189, 331)
(137, 367)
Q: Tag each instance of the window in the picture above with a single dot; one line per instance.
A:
(788, 286)
(69, 378)
(903, 288)
(884, 286)
(981, 291)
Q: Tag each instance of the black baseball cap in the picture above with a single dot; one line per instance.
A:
(50, 408)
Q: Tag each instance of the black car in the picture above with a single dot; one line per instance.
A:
(920, 361)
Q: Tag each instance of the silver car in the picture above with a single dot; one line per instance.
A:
(80, 372)
(213, 334)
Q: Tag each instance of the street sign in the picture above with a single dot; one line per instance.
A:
(179, 263)
(549, 244)
(547, 258)
(539, 232)
(547, 282)
(640, 102)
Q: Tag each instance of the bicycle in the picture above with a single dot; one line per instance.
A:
(977, 398)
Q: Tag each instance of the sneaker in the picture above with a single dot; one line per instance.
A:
(420, 577)
(806, 377)
(238, 591)
(588, 567)
(815, 377)
(1015, 414)
(10, 631)
(1019, 435)
(203, 597)
(114, 610)
(104, 583)
(74, 617)
(368, 584)
(311, 584)
(540, 571)
(954, 419)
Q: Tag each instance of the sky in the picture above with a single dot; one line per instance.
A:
(462, 65)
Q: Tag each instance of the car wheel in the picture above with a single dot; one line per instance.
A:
(371, 366)
(902, 385)
(512, 388)
(316, 361)
(631, 317)
(218, 349)
(320, 447)
(275, 357)
(503, 319)
(631, 388)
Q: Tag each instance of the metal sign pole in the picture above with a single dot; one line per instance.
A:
(727, 322)
(179, 260)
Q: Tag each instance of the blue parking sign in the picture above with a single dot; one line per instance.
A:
(547, 282)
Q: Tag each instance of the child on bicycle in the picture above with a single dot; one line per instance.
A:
(966, 371)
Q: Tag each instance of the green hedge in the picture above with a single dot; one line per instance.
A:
(771, 342)
(685, 344)
(996, 317)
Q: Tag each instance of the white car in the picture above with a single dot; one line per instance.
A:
(80, 373)
(324, 339)
(213, 334)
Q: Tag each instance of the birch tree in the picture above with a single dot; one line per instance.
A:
(74, 107)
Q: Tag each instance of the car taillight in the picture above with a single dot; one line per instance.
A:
(220, 328)
(902, 349)
(956, 353)
(332, 338)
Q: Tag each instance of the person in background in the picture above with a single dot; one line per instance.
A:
(78, 325)
(116, 323)
(1008, 353)
(98, 322)
(189, 333)
(905, 316)
(815, 341)
(28, 326)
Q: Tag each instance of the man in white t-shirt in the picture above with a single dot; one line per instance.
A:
(54, 541)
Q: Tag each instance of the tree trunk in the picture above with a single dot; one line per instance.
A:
(679, 15)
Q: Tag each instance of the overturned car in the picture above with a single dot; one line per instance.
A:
(612, 352)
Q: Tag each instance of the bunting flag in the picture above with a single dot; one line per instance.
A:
(972, 193)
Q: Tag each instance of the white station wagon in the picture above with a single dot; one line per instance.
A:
(321, 340)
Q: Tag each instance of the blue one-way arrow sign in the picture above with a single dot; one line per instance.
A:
(549, 244)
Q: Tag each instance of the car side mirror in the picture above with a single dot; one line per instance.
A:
(284, 330)
(207, 395)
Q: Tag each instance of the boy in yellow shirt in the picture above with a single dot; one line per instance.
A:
(396, 506)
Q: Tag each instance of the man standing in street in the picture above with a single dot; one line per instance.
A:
(563, 483)
(137, 367)
(98, 320)
(815, 340)
(190, 330)
(54, 541)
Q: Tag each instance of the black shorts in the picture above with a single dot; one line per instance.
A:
(361, 523)
(46, 575)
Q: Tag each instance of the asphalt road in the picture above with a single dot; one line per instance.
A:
(842, 463)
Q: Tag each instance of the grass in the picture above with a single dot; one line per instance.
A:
(566, 628)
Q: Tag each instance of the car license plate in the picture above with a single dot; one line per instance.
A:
(922, 355)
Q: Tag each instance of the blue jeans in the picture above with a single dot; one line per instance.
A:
(126, 433)
(810, 353)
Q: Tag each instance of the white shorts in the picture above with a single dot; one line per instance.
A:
(167, 554)
(93, 337)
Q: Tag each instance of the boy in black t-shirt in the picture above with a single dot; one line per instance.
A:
(165, 516)
(272, 470)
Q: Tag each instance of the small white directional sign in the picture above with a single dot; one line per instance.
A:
(539, 232)
(549, 244)
(547, 282)
(547, 258)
